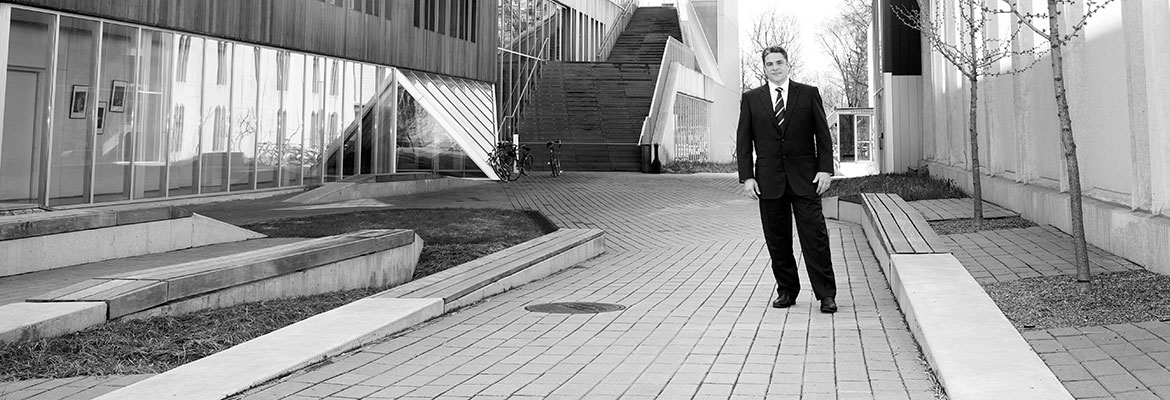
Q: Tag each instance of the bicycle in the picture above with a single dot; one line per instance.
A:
(554, 158)
(505, 159)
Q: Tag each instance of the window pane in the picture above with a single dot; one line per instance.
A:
(25, 106)
(316, 120)
(217, 92)
(76, 99)
(115, 145)
(153, 128)
(186, 115)
(272, 69)
(244, 116)
(293, 130)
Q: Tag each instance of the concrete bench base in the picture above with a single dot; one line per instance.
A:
(974, 350)
(361, 259)
(31, 321)
(267, 357)
(107, 240)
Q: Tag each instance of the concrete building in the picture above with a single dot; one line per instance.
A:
(1120, 112)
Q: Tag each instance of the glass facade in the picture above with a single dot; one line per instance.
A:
(99, 111)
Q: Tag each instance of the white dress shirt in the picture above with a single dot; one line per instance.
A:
(772, 92)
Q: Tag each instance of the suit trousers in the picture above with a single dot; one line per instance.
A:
(776, 215)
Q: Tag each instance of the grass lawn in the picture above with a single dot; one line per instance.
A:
(451, 236)
(912, 187)
(691, 167)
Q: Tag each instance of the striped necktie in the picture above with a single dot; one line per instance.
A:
(780, 106)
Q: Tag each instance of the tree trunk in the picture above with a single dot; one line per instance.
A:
(1070, 146)
(976, 184)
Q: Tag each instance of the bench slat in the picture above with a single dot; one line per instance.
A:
(905, 223)
(898, 242)
(928, 235)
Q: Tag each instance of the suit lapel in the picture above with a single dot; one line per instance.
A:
(794, 90)
(765, 101)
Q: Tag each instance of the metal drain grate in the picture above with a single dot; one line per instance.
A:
(574, 308)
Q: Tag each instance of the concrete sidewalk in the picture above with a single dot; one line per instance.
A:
(687, 260)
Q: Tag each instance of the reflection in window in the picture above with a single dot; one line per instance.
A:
(222, 73)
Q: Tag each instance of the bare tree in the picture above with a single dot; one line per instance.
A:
(956, 31)
(1057, 39)
(845, 39)
(769, 29)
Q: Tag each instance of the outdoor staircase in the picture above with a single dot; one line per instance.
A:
(596, 109)
(645, 36)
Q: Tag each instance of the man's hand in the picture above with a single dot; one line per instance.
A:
(753, 190)
(822, 180)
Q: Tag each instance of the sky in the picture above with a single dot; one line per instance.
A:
(810, 13)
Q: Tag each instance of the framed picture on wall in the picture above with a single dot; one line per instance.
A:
(118, 96)
(101, 117)
(78, 101)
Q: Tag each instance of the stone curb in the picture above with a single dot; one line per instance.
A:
(293, 347)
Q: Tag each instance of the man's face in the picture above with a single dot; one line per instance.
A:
(776, 67)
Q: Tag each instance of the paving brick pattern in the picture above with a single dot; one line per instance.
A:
(686, 258)
(1124, 361)
(942, 209)
(77, 388)
(1009, 254)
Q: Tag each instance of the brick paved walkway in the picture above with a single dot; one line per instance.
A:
(1123, 361)
(1009, 254)
(686, 258)
(943, 209)
(685, 255)
(82, 387)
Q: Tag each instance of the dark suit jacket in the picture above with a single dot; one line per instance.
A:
(789, 155)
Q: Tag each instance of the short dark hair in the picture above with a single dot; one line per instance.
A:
(773, 49)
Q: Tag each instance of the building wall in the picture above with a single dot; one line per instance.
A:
(1116, 82)
(316, 26)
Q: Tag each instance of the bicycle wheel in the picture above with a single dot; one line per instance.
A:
(554, 163)
(526, 164)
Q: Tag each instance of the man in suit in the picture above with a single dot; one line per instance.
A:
(784, 123)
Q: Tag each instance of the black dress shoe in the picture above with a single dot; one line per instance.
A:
(828, 306)
(784, 301)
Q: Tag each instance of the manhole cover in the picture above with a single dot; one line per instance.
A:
(574, 308)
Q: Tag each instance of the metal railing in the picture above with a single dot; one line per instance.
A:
(619, 26)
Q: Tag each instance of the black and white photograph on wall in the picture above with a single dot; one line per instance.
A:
(101, 117)
(118, 96)
(77, 102)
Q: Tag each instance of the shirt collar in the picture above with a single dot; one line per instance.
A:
(784, 85)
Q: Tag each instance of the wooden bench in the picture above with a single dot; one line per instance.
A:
(900, 228)
(453, 284)
(49, 223)
(136, 291)
(33, 242)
